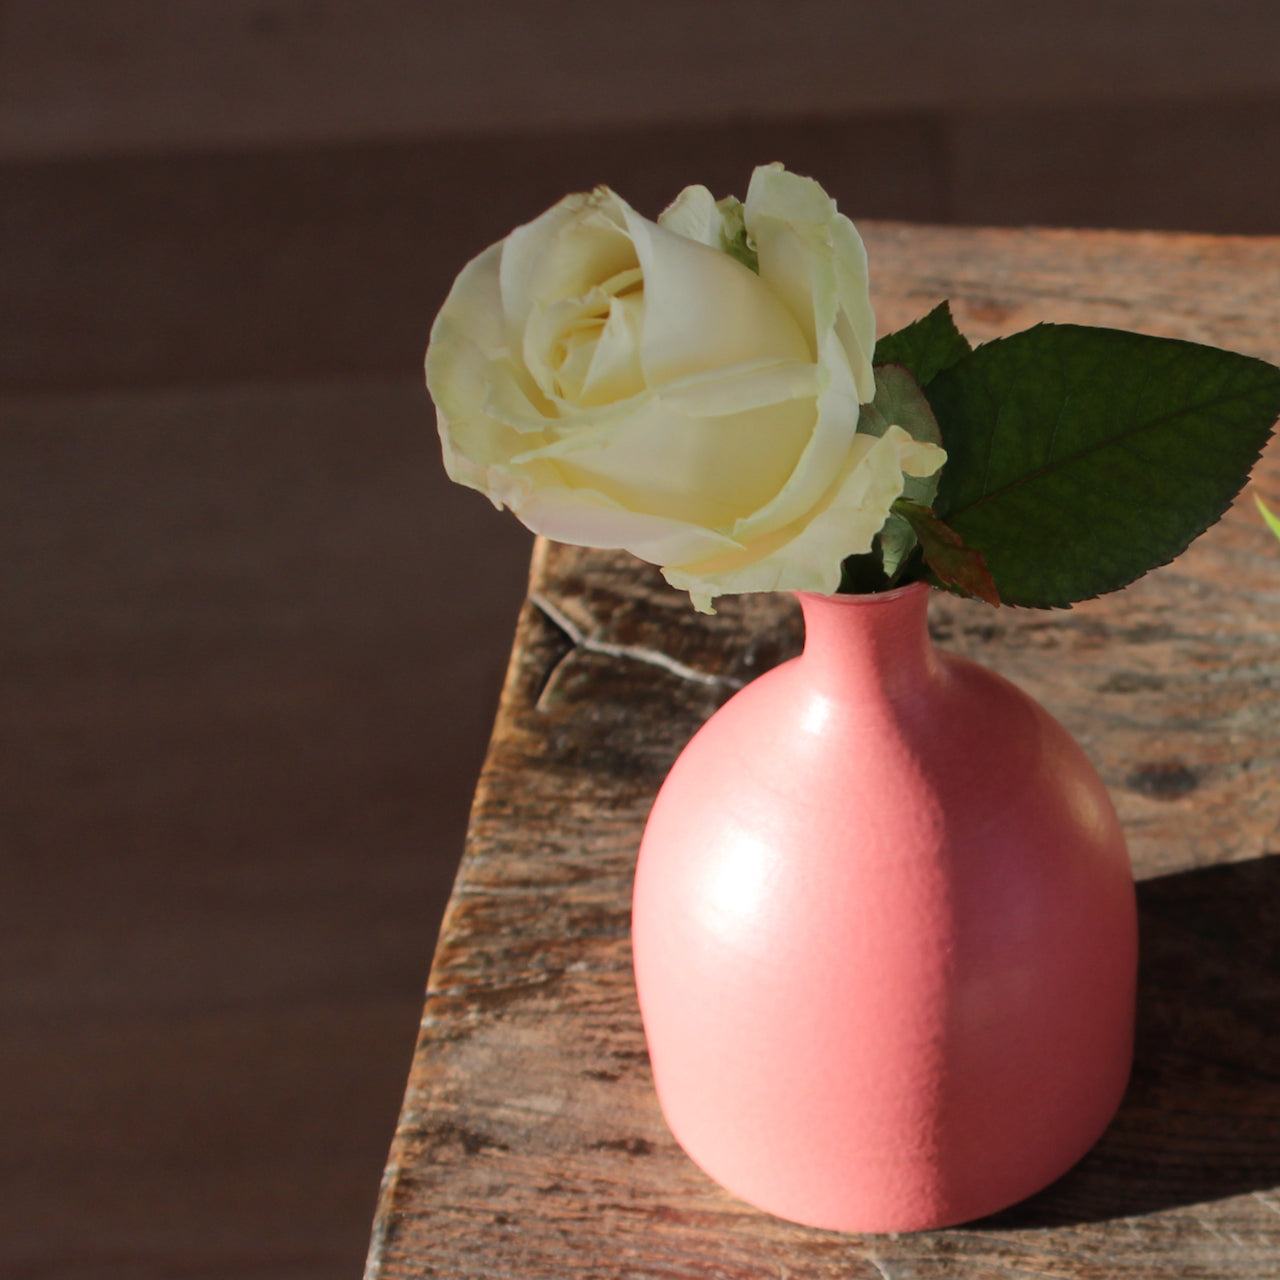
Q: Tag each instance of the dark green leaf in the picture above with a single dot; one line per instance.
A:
(900, 402)
(896, 541)
(926, 346)
(1078, 458)
(734, 238)
(954, 564)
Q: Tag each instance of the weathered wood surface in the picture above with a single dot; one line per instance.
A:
(531, 1145)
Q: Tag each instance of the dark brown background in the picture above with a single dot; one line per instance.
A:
(250, 639)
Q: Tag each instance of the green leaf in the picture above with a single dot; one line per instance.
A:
(926, 346)
(896, 541)
(1078, 458)
(898, 402)
(734, 238)
(954, 564)
(1273, 520)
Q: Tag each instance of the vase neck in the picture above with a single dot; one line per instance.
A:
(869, 646)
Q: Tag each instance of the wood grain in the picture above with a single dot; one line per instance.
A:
(530, 1143)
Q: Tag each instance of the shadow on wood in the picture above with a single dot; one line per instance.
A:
(1201, 1119)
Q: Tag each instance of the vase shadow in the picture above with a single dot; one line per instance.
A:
(1201, 1118)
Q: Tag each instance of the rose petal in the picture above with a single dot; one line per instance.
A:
(781, 211)
(697, 420)
(741, 387)
(806, 556)
(615, 373)
(835, 425)
(704, 309)
(464, 351)
(857, 326)
(813, 257)
(586, 517)
(712, 471)
(693, 213)
(474, 304)
(576, 244)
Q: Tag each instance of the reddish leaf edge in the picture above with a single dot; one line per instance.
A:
(953, 564)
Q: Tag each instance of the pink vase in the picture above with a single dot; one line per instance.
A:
(885, 936)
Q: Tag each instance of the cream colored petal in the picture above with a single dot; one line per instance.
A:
(813, 257)
(836, 422)
(487, 454)
(858, 330)
(455, 368)
(716, 393)
(578, 243)
(697, 214)
(523, 252)
(514, 401)
(918, 458)
(615, 373)
(584, 349)
(458, 376)
(806, 556)
(783, 212)
(709, 471)
(787, 268)
(588, 518)
(777, 193)
(474, 304)
(740, 387)
(551, 331)
(487, 412)
(477, 450)
(704, 310)
(466, 336)
(693, 213)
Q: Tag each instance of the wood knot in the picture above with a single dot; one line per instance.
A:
(629, 1146)
(1163, 780)
(1131, 682)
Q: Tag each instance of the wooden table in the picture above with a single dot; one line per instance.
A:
(530, 1144)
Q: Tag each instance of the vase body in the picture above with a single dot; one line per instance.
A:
(884, 934)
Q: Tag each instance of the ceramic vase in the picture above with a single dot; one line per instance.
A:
(884, 934)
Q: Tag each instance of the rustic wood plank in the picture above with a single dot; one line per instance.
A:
(531, 1144)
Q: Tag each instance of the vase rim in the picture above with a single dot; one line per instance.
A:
(864, 597)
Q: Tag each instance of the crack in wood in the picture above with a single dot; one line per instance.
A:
(634, 653)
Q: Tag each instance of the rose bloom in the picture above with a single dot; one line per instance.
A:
(687, 389)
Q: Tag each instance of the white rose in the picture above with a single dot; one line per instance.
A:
(623, 383)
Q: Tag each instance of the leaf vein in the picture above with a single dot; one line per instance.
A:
(1110, 441)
